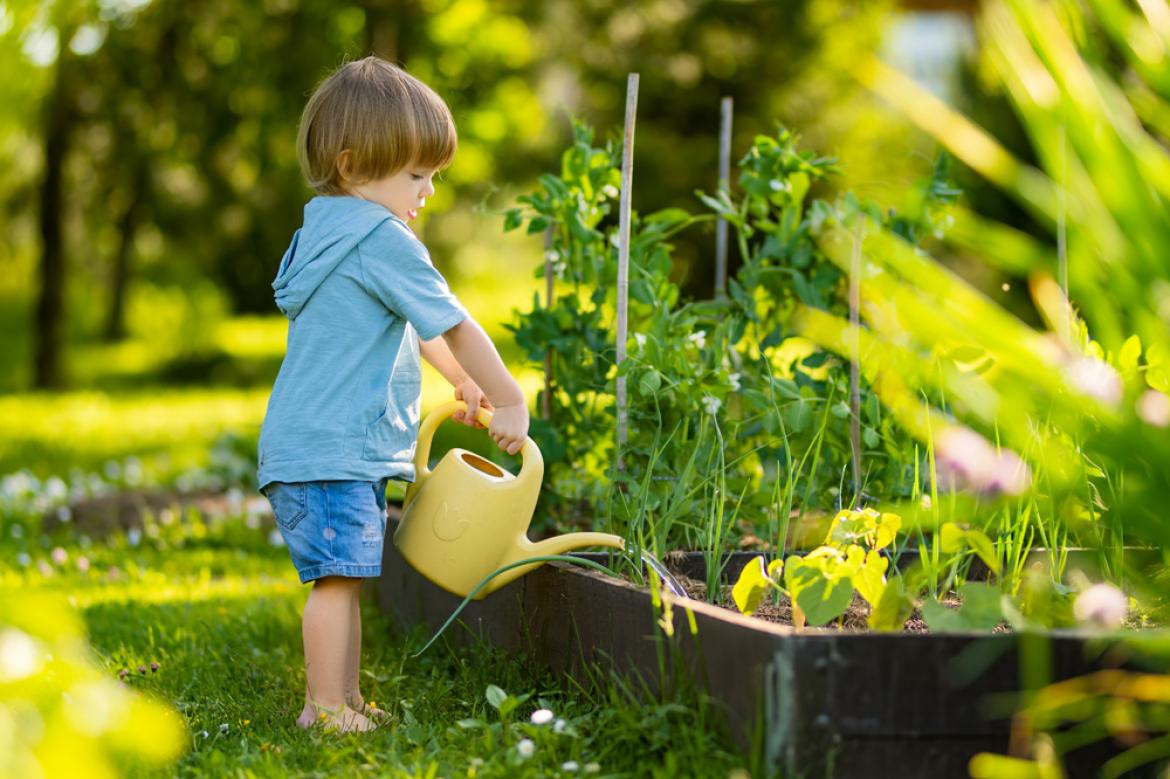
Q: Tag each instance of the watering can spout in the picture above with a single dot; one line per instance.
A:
(566, 543)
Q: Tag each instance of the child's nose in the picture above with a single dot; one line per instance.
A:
(428, 188)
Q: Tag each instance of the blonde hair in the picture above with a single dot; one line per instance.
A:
(383, 116)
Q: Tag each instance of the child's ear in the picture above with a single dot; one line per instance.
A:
(343, 166)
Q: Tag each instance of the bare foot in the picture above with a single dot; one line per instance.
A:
(370, 710)
(341, 720)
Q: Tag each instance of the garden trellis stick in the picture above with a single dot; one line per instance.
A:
(623, 274)
(546, 399)
(854, 358)
(725, 108)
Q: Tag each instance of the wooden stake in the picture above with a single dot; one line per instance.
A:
(623, 275)
(854, 358)
(725, 108)
(545, 400)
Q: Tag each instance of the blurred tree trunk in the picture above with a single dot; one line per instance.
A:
(49, 317)
(115, 329)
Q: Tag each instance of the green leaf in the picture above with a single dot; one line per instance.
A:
(650, 383)
(751, 586)
(1127, 358)
(893, 608)
(512, 219)
(495, 696)
(819, 584)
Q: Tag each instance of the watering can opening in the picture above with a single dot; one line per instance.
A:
(485, 466)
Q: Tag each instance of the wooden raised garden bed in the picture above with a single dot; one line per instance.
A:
(810, 703)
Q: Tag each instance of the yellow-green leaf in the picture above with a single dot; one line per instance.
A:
(750, 587)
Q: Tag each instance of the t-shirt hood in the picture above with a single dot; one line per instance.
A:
(333, 226)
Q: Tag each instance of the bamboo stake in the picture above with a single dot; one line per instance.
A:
(623, 290)
(854, 358)
(725, 108)
(545, 400)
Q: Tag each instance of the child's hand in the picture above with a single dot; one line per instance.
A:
(469, 392)
(509, 427)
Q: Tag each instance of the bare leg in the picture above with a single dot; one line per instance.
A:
(353, 660)
(327, 631)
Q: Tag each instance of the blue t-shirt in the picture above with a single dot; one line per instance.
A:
(359, 290)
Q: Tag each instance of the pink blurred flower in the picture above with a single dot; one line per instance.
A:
(1095, 378)
(59, 556)
(1102, 605)
(966, 460)
(83, 563)
(1153, 408)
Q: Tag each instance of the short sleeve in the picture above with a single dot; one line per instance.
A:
(397, 270)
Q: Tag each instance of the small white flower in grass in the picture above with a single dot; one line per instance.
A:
(1102, 605)
(526, 748)
(733, 380)
(570, 766)
(610, 191)
(559, 726)
(698, 338)
(1153, 408)
(223, 728)
(551, 256)
(593, 768)
(23, 559)
(134, 536)
(640, 339)
(711, 404)
(542, 717)
(203, 734)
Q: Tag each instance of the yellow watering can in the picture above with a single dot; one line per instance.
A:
(469, 517)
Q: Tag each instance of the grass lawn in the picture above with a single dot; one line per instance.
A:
(223, 625)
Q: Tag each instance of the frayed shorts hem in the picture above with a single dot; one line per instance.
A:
(350, 571)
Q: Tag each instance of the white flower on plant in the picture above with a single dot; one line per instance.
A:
(711, 404)
(1095, 378)
(570, 766)
(733, 380)
(112, 469)
(640, 339)
(55, 489)
(23, 559)
(526, 747)
(83, 563)
(223, 728)
(698, 338)
(967, 460)
(59, 556)
(610, 191)
(559, 726)
(593, 768)
(133, 471)
(1102, 605)
(542, 717)
(1153, 408)
(134, 536)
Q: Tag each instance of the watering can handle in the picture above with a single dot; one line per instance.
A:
(529, 454)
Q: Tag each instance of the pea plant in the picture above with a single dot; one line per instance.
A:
(734, 424)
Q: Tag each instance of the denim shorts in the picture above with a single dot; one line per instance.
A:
(331, 528)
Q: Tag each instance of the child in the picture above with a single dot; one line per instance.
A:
(363, 302)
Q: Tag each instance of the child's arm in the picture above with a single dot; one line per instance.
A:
(438, 354)
(477, 355)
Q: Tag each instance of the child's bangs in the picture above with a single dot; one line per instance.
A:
(433, 142)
